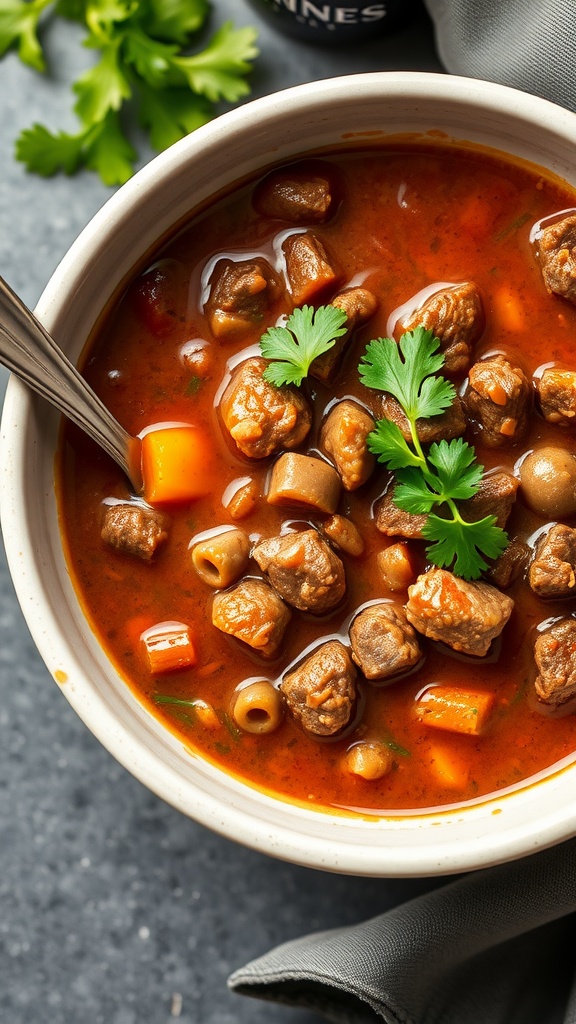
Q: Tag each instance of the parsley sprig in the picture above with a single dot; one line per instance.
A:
(143, 61)
(307, 334)
(448, 472)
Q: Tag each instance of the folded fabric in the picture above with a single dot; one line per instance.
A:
(529, 44)
(493, 947)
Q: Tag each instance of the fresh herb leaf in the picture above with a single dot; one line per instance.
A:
(218, 71)
(48, 152)
(108, 151)
(168, 114)
(412, 493)
(464, 544)
(458, 471)
(405, 370)
(307, 334)
(448, 473)
(176, 20)
(143, 65)
(388, 443)
(19, 30)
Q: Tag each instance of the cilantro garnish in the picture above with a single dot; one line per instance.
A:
(143, 61)
(307, 334)
(448, 473)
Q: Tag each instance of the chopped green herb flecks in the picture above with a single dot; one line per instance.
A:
(193, 386)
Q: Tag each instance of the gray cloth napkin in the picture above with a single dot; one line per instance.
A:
(493, 947)
(528, 44)
(496, 946)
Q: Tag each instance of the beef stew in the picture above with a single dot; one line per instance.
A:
(309, 571)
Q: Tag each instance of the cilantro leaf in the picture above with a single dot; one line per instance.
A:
(148, 57)
(47, 153)
(464, 544)
(140, 44)
(101, 89)
(458, 471)
(72, 10)
(387, 442)
(412, 493)
(18, 30)
(405, 370)
(175, 20)
(448, 473)
(169, 114)
(109, 153)
(307, 334)
(102, 148)
(218, 72)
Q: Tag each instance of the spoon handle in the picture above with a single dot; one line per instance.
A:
(29, 351)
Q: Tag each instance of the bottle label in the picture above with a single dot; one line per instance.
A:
(323, 15)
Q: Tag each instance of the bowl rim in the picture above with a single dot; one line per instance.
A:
(394, 845)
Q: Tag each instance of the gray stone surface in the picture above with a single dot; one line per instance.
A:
(114, 908)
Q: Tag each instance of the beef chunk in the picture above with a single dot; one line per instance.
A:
(343, 438)
(359, 305)
(497, 398)
(321, 692)
(466, 616)
(240, 296)
(506, 569)
(557, 393)
(344, 534)
(134, 529)
(383, 641)
(160, 296)
(260, 417)
(393, 521)
(254, 613)
(304, 570)
(450, 423)
(456, 315)
(308, 268)
(294, 196)
(495, 497)
(552, 571)
(555, 656)
(557, 257)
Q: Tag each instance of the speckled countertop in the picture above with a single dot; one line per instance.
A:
(114, 908)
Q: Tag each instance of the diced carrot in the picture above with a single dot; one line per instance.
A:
(449, 768)
(175, 464)
(169, 646)
(496, 393)
(454, 709)
(508, 427)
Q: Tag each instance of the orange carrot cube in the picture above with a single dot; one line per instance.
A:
(175, 464)
(168, 646)
(455, 709)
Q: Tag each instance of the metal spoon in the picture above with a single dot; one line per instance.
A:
(27, 349)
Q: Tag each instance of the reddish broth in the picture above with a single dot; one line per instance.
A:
(408, 216)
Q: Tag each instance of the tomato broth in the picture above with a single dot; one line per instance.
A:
(406, 218)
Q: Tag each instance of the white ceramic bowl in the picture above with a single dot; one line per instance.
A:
(535, 814)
